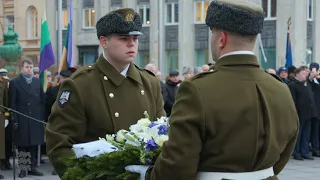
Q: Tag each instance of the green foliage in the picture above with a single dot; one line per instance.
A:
(109, 166)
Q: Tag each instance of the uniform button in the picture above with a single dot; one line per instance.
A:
(105, 78)
(142, 92)
(211, 70)
(111, 95)
(116, 114)
(89, 66)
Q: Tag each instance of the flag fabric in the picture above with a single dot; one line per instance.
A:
(262, 49)
(288, 52)
(66, 60)
(47, 58)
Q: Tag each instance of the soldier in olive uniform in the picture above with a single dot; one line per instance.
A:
(4, 102)
(102, 98)
(222, 130)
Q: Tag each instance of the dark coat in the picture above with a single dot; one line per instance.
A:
(163, 91)
(303, 98)
(316, 92)
(171, 90)
(28, 99)
(51, 95)
(4, 102)
(245, 125)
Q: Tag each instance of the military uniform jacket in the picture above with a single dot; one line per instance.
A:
(4, 102)
(97, 100)
(230, 119)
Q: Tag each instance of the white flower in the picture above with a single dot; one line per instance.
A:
(121, 136)
(144, 136)
(144, 122)
(161, 139)
(110, 137)
(137, 128)
(162, 120)
(154, 131)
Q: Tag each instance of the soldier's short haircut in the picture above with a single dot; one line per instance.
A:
(26, 61)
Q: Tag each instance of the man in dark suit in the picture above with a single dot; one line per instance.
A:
(26, 96)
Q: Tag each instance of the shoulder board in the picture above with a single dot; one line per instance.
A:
(81, 70)
(141, 69)
(275, 76)
(204, 73)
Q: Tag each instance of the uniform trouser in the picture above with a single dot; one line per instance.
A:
(303, 140)
(33, 152)
(8, 143)
(315, 125)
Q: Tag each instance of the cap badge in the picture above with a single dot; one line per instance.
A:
(129, 17)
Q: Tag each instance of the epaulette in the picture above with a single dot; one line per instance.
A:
(204, 73)
(82, 70)
(275, 76)
(141, 69)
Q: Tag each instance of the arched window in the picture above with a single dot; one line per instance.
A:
(32, 22)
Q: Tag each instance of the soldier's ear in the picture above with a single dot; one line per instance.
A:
(103, 41)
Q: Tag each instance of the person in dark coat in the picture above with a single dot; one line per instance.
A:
(291, 75)
(283, 73)
(315, 124)
(26, 96)
(163, 86)
(303, 98)
(52, 93)
(171, 87)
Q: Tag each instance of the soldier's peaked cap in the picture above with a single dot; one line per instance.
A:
(122, 21)
(238, 16)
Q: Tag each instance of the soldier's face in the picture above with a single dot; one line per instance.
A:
(121, 49)
(27, 68)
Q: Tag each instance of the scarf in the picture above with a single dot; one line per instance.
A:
(27, 77)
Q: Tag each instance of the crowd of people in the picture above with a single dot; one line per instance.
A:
(304, 85)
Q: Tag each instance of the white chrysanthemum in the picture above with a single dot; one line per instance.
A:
(144, 122)
(161, 139)
(144, 136)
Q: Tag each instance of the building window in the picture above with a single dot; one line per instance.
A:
(172, 13)
(88, 14)
(32, 22)
(201, 57)
(200, 11)
(144, 12)
(65, 20)
(309, 10)
(88, 18)
(88, 54)
(172, 60)
(143, 58)
(270, 8)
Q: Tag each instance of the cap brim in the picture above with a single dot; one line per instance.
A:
(132, 33)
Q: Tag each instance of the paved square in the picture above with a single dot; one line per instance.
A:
(295, 170)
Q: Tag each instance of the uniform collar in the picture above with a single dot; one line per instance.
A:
(238, 59)
(123, 72)
(237, 53)
(116, 77)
